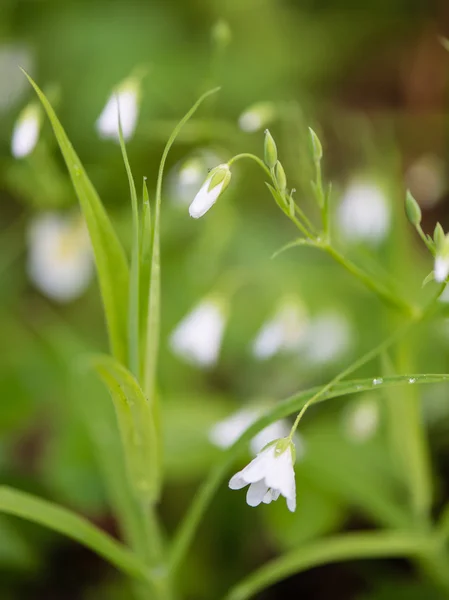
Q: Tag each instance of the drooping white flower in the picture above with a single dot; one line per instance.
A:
(328, 338)
(269, 475)
(26, 131)
(257, 117)
(441, 265)
(283, 332)
(361, 420)
(59, 256)
(364, 214)
(198, 336)
(224, 433)
(215, 184)
(125, 96)
(188, 176)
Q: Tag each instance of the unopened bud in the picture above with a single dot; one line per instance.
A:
(438, 236)
(281, 178)
(316, 146)
(215, 184)
(412, 209)
(270, 150)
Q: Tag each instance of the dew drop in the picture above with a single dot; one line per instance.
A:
(378, 381)
(412, 380)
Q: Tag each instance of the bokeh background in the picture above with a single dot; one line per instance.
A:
(371, 79)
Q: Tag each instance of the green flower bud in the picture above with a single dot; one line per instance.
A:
(317, 148)
(412, 209)
(281, 179)
(270, 150)
(438, 236)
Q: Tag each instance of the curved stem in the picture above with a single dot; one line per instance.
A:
(338, 548)
(253, 157)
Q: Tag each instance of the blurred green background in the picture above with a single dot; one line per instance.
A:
(371, 78)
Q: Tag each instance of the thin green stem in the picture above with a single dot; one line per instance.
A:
(423, 236)
(253, 157)
(329, 550)
(152, 339)
(382, 292)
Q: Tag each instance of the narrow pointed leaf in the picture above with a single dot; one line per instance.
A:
(134, 283)
(136, 424)
(110, 258)
(26, 506)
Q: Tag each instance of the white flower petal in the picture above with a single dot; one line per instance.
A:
(107, 123)
(275, 431)
(204, 199)
(237, 482)
(256, 493)
(25, 135)
(281, 476)
(224, 433)
(441, 268)
(283, 332)
(291, 503)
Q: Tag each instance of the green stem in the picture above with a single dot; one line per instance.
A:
(253, 157)
(334, 549)
(382, 292)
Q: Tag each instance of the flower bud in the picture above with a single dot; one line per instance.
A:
(316, 146)
(221, 33)
(438, 236)
(270, 150)
(215, 184)
(281, 178)
(126, 99)
(412, 209)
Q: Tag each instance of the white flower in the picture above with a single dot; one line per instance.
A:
(327, 339)
(224, 433)
(281, 333)
(257, 117)
(126, 97)
(198, 337)
(59, 256)
(269, 475)
(26, 132)
(215, 184)
(441, 265)
(364, 213)
(361, 420)
(187, 177)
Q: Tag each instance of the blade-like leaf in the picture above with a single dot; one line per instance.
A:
(282, 409)
(134, 284)
(110, 258)
(146, 244)
(63, 521)
(333, 549)
(137, 427)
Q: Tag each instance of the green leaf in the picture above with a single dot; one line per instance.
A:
(26, 506)
(282, 409)
(134, 284)
(146, 244)
(137, 427)
(328, 550)
(110, 258)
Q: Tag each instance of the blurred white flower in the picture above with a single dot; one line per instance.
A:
(198, 336)
(426, 179)
(125, 96)
(269, 475)
(327, 339)
(59, 256)
(26, 131)
(257, 117)
(13, 56)
(361, 420)
(281, 333)
(188, 176)
(364, 213)
(224, 433)
(215, 184)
